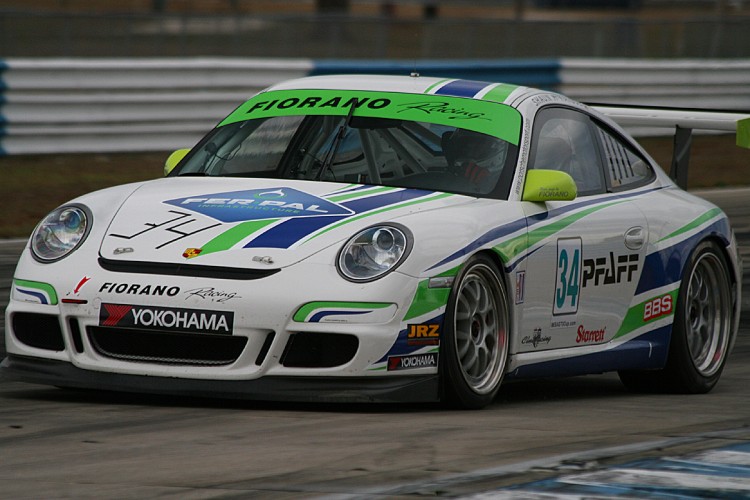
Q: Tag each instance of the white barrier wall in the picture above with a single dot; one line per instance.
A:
(106, 105)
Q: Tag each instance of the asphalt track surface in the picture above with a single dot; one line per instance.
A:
(75, 444)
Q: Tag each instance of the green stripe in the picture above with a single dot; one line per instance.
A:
(508, 250)
(427, 299)
(695, 223)
(45, 287)
(231, 237)
(303, 312)
(500, 93)
(634, 317)
(375, 212)
(349, 196)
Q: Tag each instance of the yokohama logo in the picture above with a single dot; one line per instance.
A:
(413, 361)
(166, 319)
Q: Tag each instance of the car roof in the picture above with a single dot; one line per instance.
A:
(487, 91)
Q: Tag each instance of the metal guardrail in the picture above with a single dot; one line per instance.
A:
(107, 105)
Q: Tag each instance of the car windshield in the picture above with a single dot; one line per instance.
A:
(349, 148)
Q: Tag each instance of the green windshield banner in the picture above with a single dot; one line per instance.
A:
(489, 118)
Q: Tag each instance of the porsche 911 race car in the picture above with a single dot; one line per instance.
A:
(382, 238)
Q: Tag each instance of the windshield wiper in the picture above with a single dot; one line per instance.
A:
(328, 161)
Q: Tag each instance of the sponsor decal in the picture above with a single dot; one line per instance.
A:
(211, 294)
(563, 323)
(423, 334)
(166, 318)
(180, 224)
(80, 284)
(256, 204)
(410, 362)
(520, 286)
(317, 101)
(610, 270)
(657, 307)
(138, 289)
(34, 291)
(451, 112)
(584, 336)
(536, 339)
(569, 253)
(557, 193)
(189, 253)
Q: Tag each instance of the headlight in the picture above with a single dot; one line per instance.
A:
(374, 252)
(61, 232)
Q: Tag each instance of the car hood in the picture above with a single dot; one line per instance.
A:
(251, 223)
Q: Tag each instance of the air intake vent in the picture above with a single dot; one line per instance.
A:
(227, 273)
(167, 348)
(38, 330)
(319, 350)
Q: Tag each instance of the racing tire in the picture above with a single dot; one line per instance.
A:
(475, 351)
(701, 331)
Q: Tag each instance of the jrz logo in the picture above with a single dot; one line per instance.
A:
(166, 318)
(657, 307)
(257, 204)
(610, 270)
(413, 361)
(423, 335)
(568, 276)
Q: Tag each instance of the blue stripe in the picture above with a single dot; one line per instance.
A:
(506, 229)
(462, 88)
(666, 266)
(648, 351)
(322, 314)
(42, 298)
(291, 231)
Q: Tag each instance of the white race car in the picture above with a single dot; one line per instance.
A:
(379, 238)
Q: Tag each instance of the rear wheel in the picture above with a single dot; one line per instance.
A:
(475, 351)
(701, 331)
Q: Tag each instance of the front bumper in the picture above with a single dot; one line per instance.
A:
(415, 389)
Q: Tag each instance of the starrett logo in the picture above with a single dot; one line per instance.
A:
(166, 319)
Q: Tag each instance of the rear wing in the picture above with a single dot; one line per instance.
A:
(682, 122)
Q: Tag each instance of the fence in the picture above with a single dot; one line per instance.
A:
(101, 105)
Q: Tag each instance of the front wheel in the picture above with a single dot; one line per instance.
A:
(701, 331)
(475, 350)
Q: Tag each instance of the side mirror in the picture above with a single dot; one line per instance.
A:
(548, 185)
(174, 159)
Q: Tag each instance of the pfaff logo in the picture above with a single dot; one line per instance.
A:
(423, 335)
(413, 361)
(166, 319)
(607, 271)
(657, 307)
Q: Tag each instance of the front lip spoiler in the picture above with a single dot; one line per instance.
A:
(401, 389)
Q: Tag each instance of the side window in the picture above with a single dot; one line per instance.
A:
(563, 140)
(624, 167)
